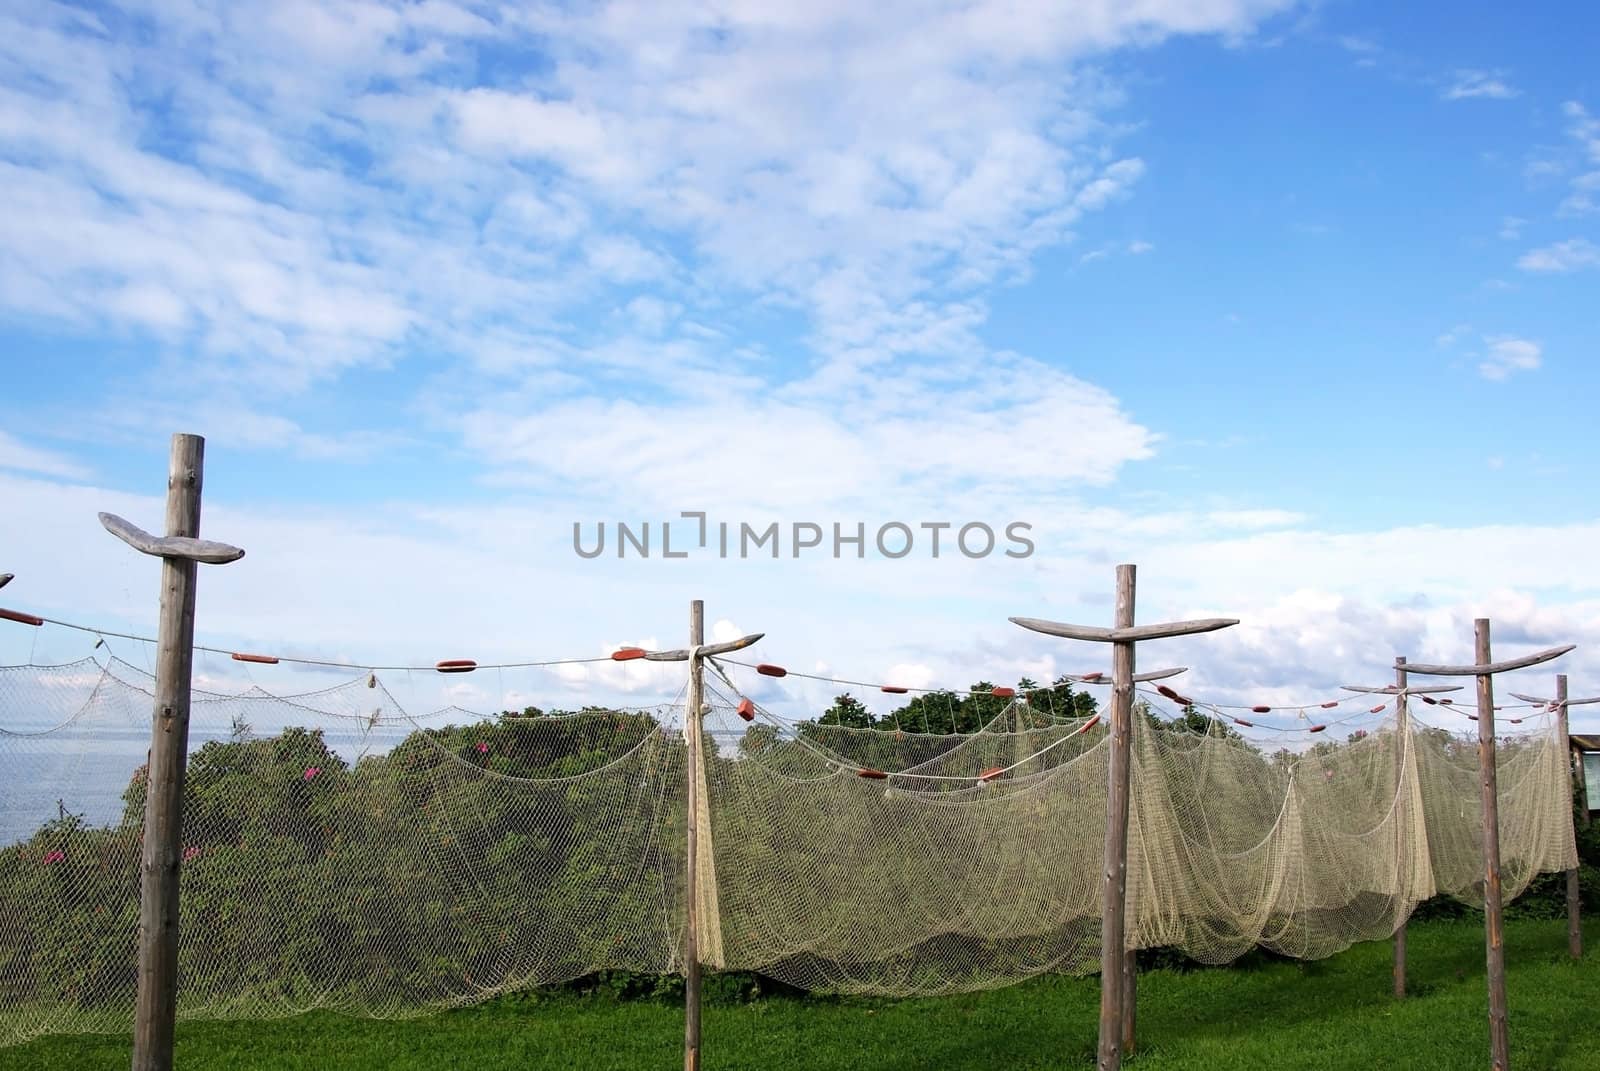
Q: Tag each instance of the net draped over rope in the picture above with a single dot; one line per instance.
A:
(341, 853)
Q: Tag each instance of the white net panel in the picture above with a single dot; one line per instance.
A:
(340, 853)
(347, 857)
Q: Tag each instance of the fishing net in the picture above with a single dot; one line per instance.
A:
(340, 852)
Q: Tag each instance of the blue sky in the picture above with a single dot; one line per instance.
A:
(1291, 304)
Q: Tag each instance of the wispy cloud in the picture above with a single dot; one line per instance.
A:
(1571, 255)
(279, 195)
(20, 457)
(1365, 50)
(1508, 355)
(1469, 84)
(1584, 130)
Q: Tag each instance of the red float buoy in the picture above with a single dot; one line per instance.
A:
(456, 665)
(767, 669)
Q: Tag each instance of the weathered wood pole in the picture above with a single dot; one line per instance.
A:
(1493, 913)
(694, 766)
(1403, 739)
(691, 920)
(156, 1006)
(1118, 985)
(1117, 980)
(1574, 905)
(1483, 670)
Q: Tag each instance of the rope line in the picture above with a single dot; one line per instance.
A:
(240, 656)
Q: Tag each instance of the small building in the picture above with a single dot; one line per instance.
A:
(1586, 750)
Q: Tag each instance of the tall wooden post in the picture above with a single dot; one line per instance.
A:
(156, 1007)
(1400, 689)
(691, 922)
(1484, 669)
(1574, 902)
(1117, 977)
(1403, 741)
(1118, 985)
(694, 711)
(1493, 916)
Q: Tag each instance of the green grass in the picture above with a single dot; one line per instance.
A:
(1336, 1013)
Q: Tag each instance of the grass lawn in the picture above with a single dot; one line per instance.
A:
(1336, 1013)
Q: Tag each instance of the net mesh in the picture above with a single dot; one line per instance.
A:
(341, 853)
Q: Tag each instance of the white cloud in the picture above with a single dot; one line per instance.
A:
(1511, 227)
(913, 437)
(1508, 355)
(20, 457)
(1319, 608)
(1256, 518)
(1571, 255)
(1138, 247)
(348, 188)
(324, 191)
(1584, 130)
(1467, 84)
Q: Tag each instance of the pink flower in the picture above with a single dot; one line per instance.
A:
(312, 771)
(56, 856)
(190, 853)
(483, 749)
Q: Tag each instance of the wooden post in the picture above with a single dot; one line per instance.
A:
(156, 1006)
(691, 922)
(1493, 917)
(1484, 669)
(1402, 738)
(1574, 903)
(1118, 980)
(695, 654)
(1116, 983)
